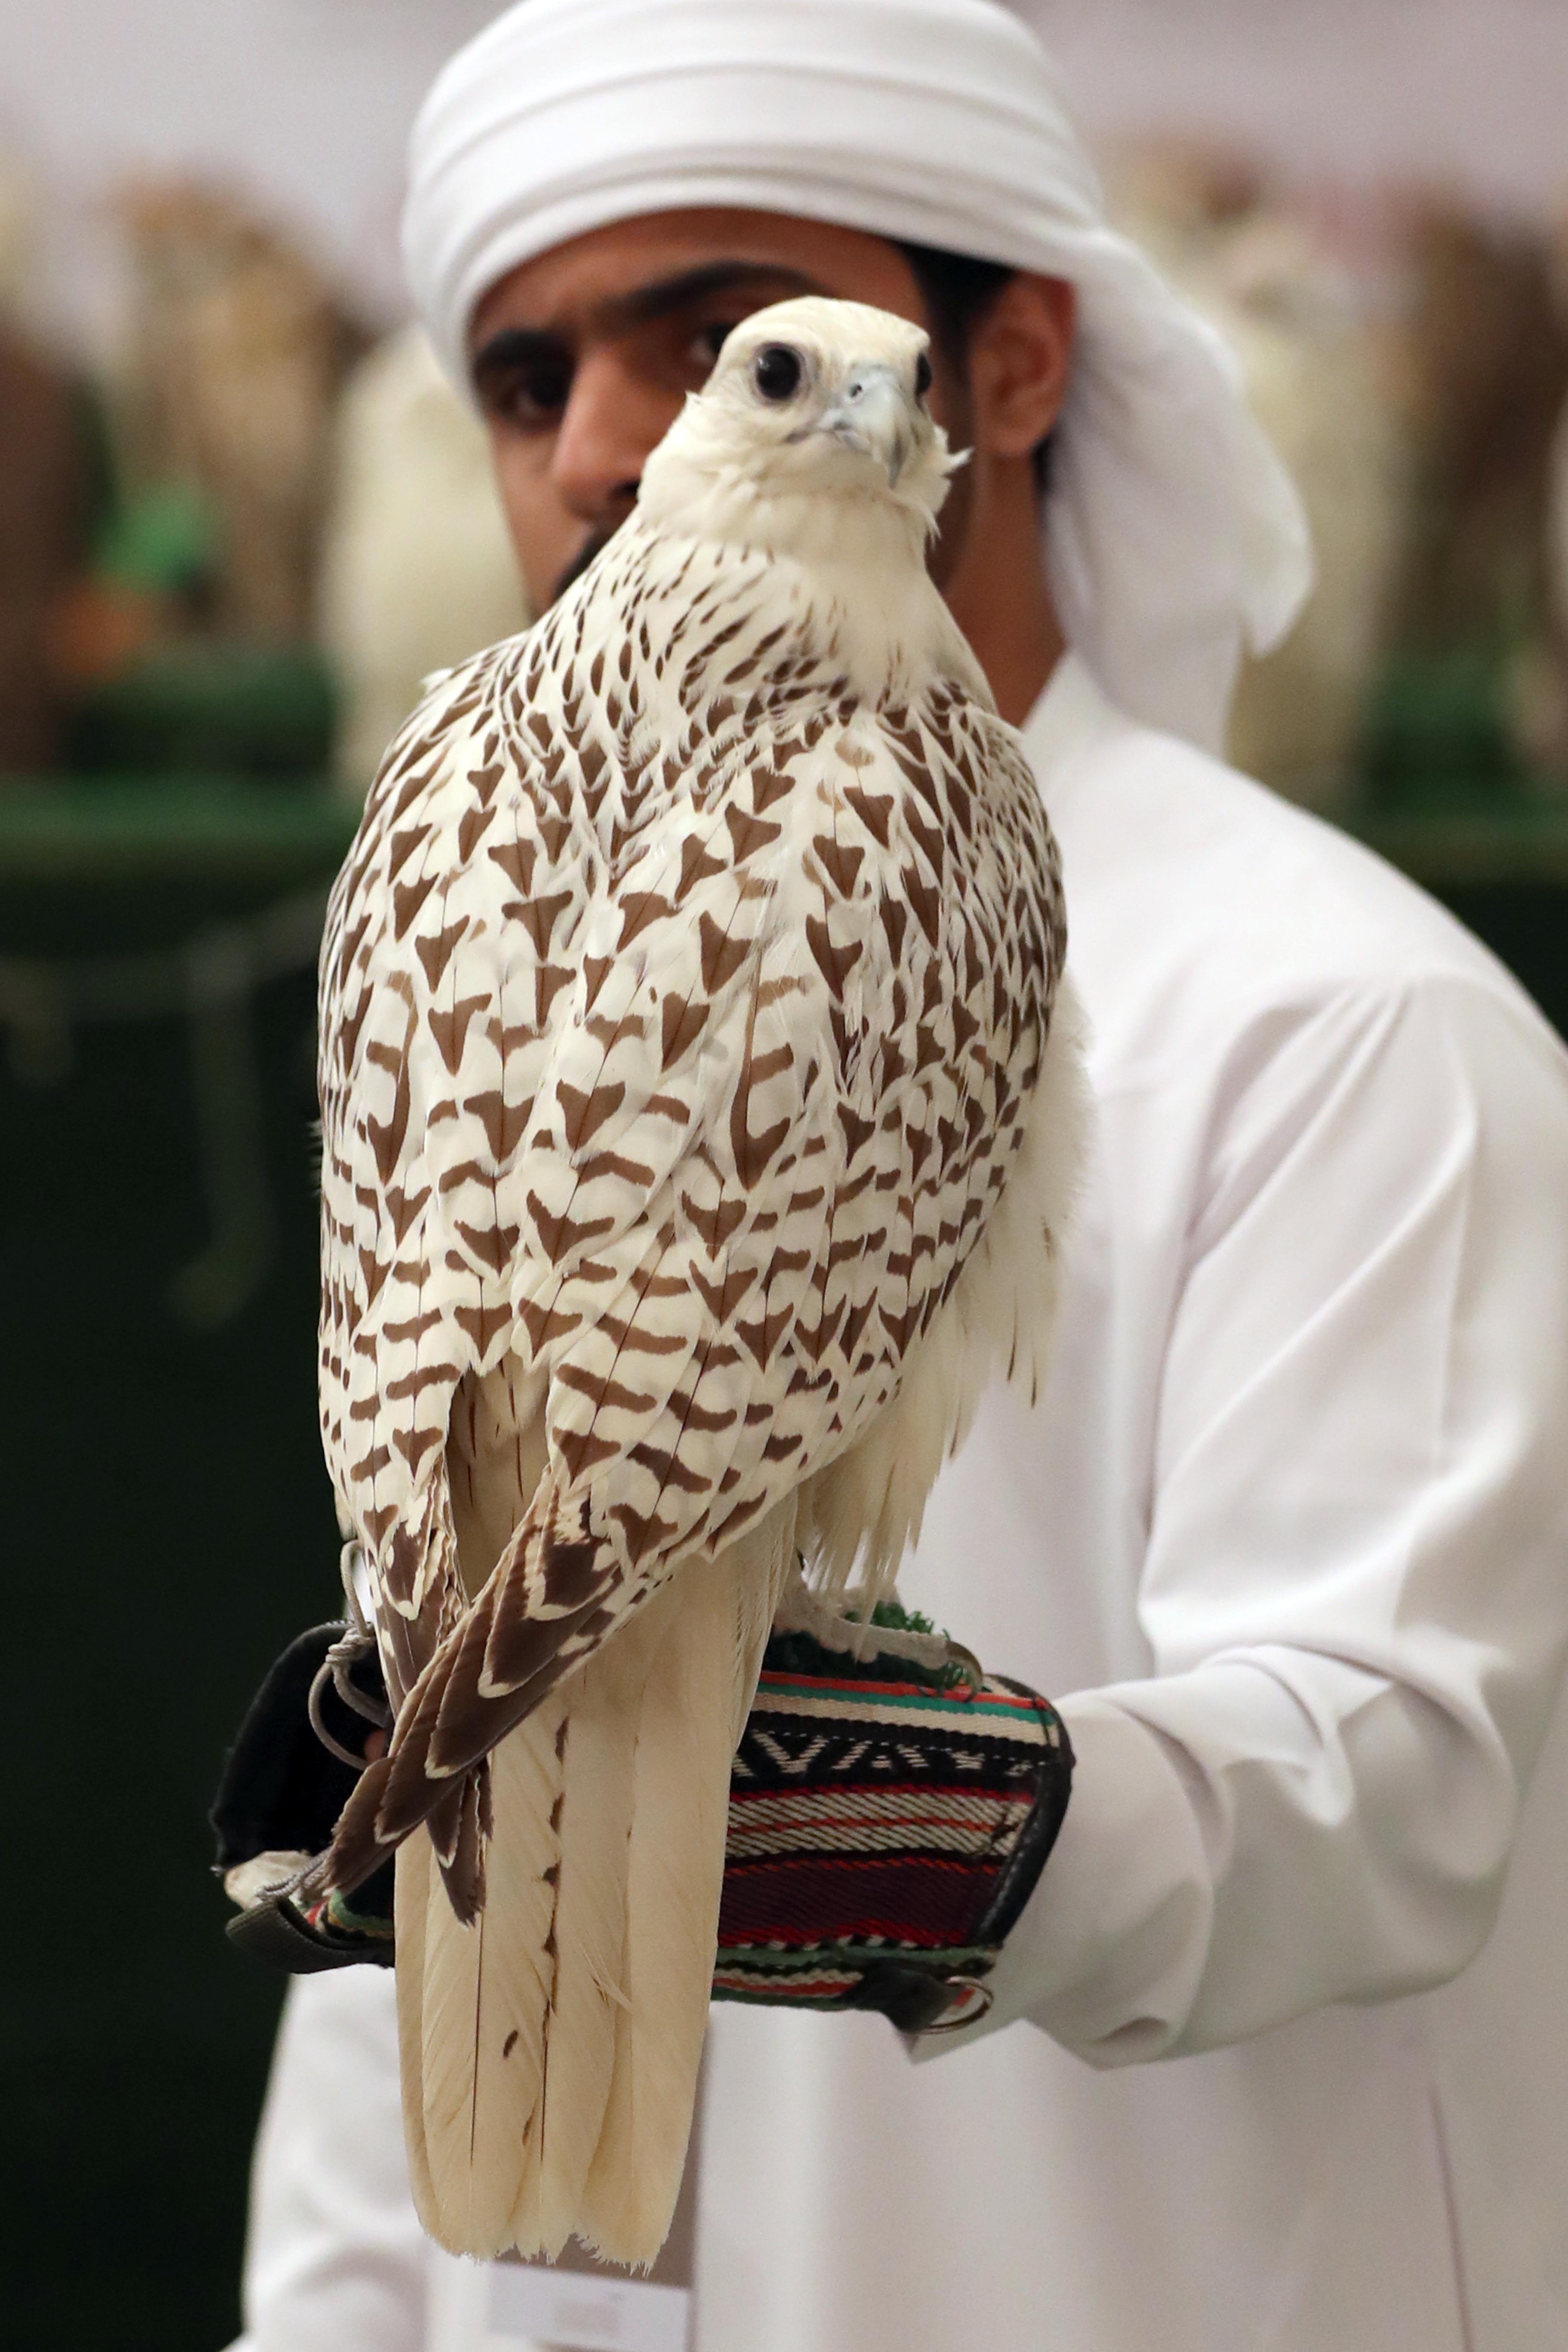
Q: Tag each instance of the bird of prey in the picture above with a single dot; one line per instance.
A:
(699, 1099)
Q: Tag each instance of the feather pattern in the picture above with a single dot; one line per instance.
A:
(728, 1162)
(698, 1120)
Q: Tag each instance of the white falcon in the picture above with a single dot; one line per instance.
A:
(700, 1102)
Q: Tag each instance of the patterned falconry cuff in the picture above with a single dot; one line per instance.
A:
(887, 1823)
(888, 1820)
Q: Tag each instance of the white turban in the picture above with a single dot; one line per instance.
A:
(1174, 535)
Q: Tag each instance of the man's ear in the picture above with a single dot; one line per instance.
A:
(1020, 358)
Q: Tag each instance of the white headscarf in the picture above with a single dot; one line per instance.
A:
(1174, 535)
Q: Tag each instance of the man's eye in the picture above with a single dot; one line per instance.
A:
(708, 341)
(532, 397)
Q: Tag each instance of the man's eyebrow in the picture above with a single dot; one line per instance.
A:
(663, 295)
(519, 346)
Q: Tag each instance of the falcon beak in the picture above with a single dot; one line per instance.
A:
(873, 415)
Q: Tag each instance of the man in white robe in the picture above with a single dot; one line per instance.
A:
(1290, 1523)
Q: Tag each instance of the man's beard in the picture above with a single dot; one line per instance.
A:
(593, 546)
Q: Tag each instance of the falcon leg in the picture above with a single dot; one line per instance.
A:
(850, 1631)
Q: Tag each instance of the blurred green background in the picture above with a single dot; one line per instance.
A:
(170, 1526)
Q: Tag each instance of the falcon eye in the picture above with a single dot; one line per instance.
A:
(923, 376)
(777, 371)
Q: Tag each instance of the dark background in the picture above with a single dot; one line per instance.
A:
(169, 1527)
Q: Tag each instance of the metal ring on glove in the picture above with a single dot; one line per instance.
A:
(340, 1662)
(970, 2015)
(327, 1671)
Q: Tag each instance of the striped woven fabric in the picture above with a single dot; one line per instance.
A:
(883, 1838)
(885, 1831)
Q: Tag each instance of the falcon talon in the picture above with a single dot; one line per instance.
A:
(866, 1630)
(973, 1671)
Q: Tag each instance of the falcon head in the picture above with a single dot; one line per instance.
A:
(808, 399)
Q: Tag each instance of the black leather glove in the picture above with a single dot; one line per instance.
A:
(283, 1789)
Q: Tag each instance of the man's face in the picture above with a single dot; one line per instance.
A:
(582, 358)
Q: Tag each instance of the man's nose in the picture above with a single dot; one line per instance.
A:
(610, 423)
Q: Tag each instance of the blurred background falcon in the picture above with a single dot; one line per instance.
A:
(700, 1102)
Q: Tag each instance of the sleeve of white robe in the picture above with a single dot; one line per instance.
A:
(335, 2260)
(1356, 1583)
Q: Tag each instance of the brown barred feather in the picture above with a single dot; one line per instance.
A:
(715, 1207)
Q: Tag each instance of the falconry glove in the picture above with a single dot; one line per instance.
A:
(889, 1816)
(891, 1809)
(295, 1761)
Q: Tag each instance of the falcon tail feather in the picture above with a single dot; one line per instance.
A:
(551, 2048)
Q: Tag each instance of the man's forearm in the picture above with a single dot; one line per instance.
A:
(1249, 1841)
